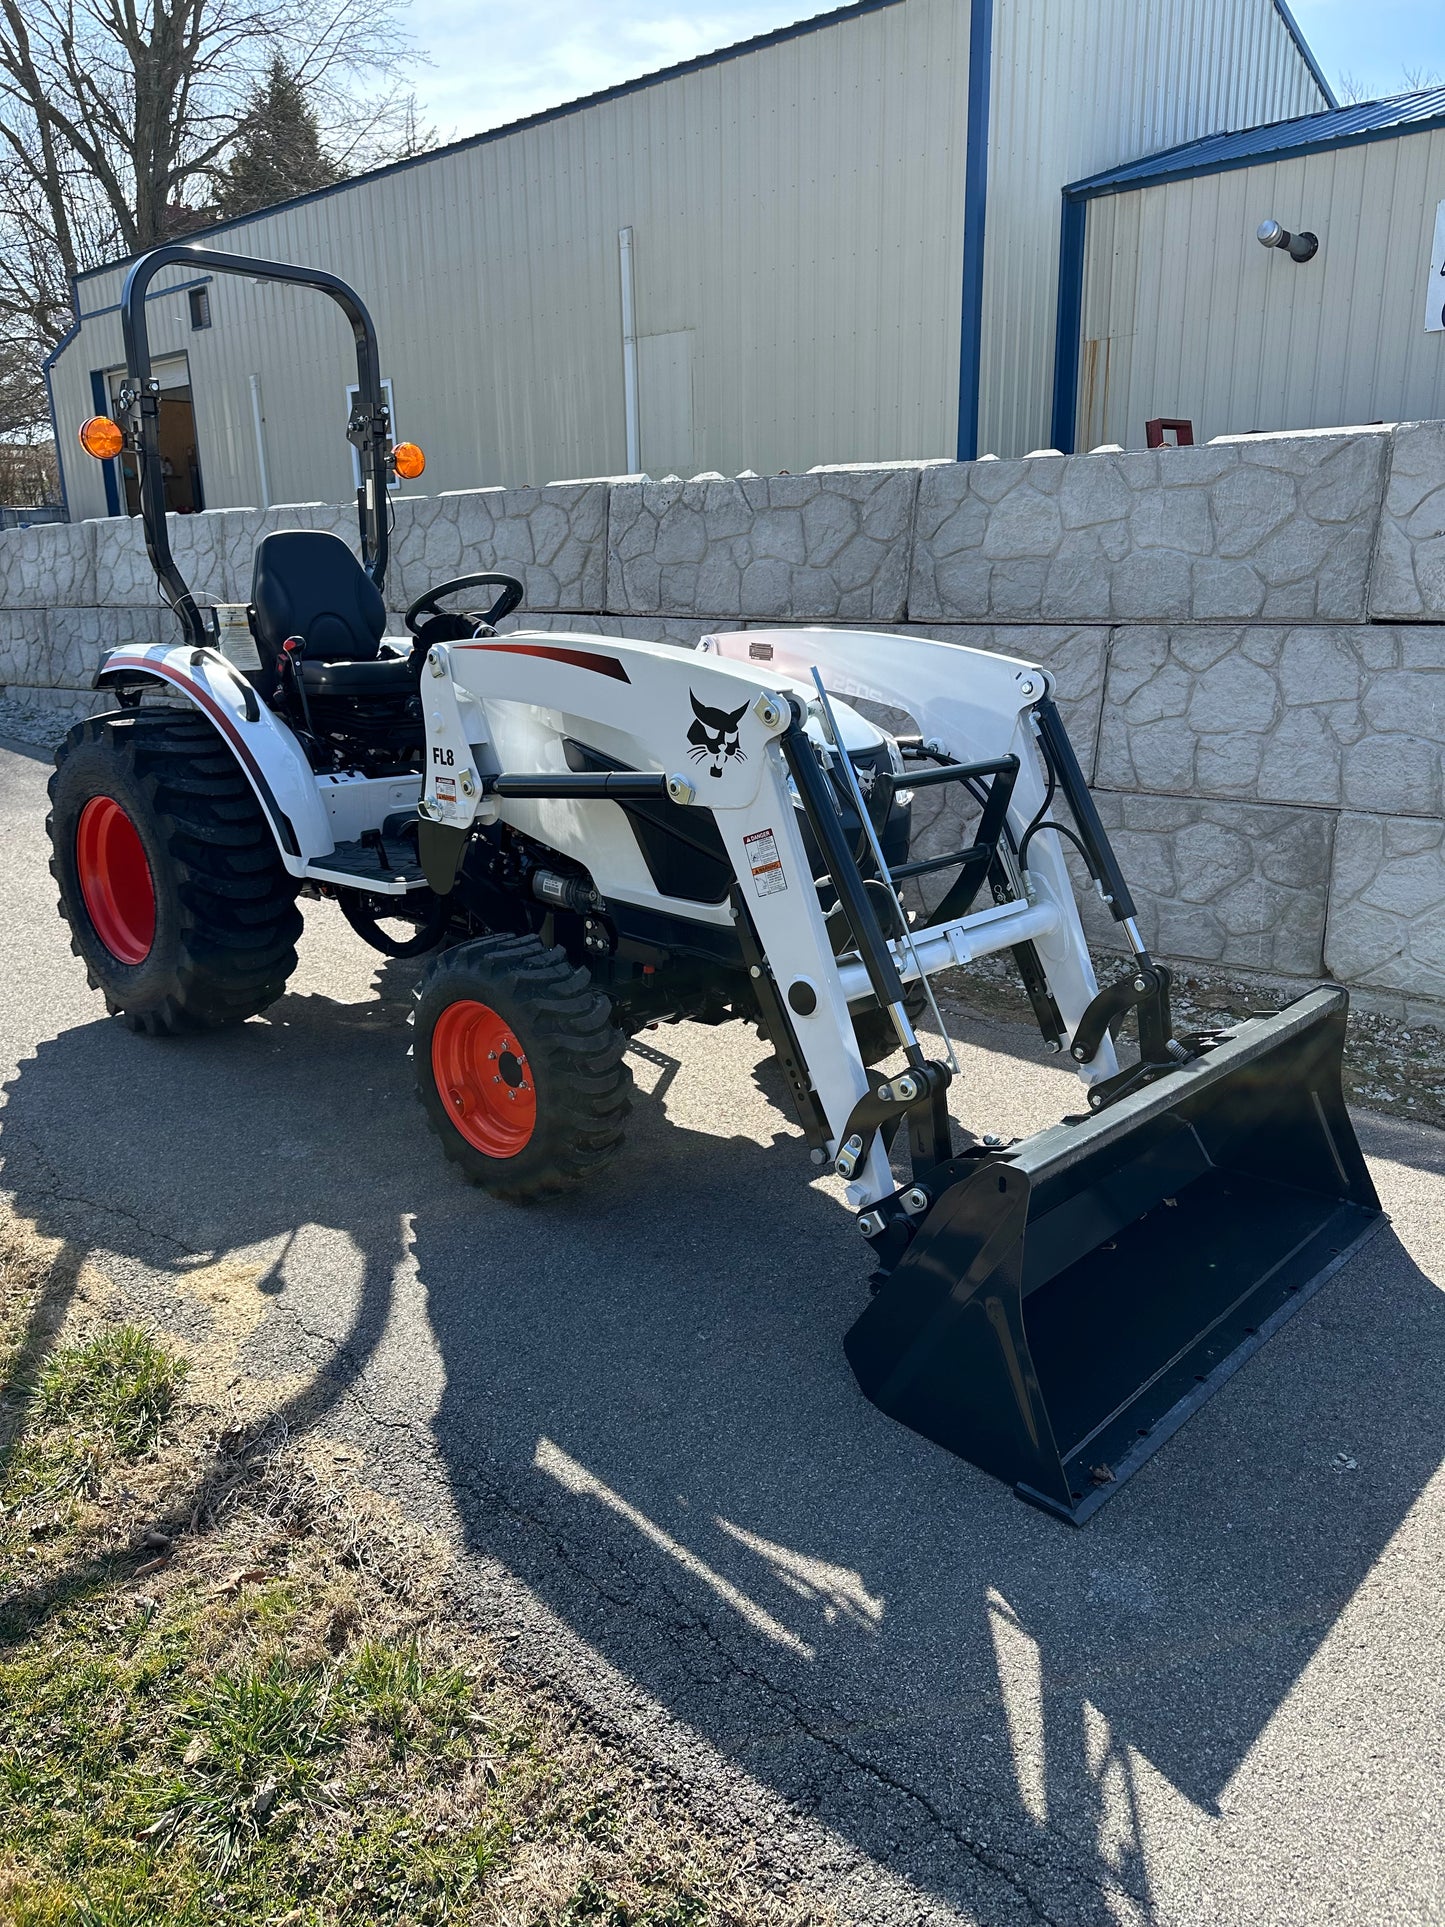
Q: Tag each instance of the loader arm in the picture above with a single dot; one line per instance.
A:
(974, 705)
(499, 715)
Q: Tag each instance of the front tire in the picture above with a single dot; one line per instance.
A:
(178, 903)
(519, 1067)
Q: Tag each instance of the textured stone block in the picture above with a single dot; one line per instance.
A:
(62, 648)
(1408, 582)
(79, 638)
(554, 539)
(1225, 883)
(1271, 526)
(1387, 904)
(1335, 716)
(206, 548)
(53, 562)
(828, 546)
(24, 646)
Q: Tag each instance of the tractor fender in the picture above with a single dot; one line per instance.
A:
(270, 757)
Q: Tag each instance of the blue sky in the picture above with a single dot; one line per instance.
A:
(1375, 41)
(496, 60)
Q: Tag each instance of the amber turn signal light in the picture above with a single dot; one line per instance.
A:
(408, 461)
(101, 437)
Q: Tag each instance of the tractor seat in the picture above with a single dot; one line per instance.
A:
(388, 675)
(307, 583)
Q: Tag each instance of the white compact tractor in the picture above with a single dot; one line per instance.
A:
(592, 835)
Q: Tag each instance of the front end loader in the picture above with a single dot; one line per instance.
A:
(592, 835)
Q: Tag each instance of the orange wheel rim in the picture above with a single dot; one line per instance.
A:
(484, 1080)
(115, 880)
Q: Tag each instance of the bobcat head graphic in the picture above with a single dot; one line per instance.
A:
(713, 738)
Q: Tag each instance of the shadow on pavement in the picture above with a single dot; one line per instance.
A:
(642, 1409)
(30, 751)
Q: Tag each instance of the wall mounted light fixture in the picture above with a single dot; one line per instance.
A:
(1302, 247)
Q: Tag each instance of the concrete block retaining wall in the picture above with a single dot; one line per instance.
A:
(1248, 641)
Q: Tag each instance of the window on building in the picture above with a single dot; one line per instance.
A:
(200, 299)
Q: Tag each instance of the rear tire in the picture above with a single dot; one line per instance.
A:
(519, 1067)
(178, 903)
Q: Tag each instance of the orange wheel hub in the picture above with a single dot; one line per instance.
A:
(115, 880)
(484, 1079)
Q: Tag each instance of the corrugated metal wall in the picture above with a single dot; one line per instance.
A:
(797, 211)
(1078, 86)
(1185, 314)
(797, 215)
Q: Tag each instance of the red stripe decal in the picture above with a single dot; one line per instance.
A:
(578, 658)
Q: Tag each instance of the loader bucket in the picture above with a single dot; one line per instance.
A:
(1066, 1305)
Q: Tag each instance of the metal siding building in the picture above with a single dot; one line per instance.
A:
(844, 248)
(1080, 85)
(1173, 309)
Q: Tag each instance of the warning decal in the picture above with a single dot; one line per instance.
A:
(233, 635)
(446, 787)
(764, 862)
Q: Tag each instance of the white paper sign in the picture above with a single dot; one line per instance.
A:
(1435, 300)
(234, 638)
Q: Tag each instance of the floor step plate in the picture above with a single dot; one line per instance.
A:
(387, 865)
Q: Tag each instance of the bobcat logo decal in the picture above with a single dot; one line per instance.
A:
(713, 738)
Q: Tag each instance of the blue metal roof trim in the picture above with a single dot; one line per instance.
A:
(814, 24)
(1305, 51)
(1366, 120)
(975, 217)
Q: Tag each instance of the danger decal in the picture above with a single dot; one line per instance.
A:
(765, 863)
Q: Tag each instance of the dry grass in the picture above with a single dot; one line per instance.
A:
(235, 1688)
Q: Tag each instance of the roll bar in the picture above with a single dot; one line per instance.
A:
(368, 430)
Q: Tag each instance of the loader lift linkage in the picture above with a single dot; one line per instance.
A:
(590, 835)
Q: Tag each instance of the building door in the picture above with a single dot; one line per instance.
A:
(180, 456)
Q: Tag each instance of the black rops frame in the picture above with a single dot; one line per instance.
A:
(368, 430)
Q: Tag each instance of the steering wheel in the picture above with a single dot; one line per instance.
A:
(426, 605)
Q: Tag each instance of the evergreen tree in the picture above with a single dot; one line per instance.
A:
(279, 152)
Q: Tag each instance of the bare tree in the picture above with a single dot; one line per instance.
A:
(117, 117)
(28, 474)
(22, 390)
(1351, 90)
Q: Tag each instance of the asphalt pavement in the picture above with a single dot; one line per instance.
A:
(1220, 1702)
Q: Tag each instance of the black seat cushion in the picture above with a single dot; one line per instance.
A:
(306, 582)
(388, 676)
